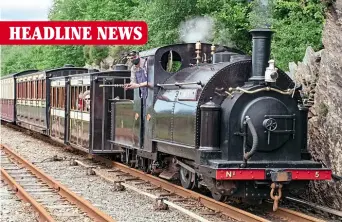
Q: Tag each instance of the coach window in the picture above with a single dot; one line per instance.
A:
(79, 98)
(32, 89)
(38, 90)
(28, 90)
(35, 89)
(60, 97)
(75, 91)
(44, 89)
(72, 92)
(73, 98)
(86, 99)
(51, 96)
(55, 95)
(41, 89)
(18, 90)
(24, 90)
(20, 95)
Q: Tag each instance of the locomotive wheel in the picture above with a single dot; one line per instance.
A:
(187, 178)
(218, 196)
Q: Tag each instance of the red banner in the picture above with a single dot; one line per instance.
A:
(73, 33)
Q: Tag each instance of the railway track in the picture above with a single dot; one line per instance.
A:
(282, 214)
(50, 199)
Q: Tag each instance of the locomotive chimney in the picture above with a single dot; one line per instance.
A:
(261, 53)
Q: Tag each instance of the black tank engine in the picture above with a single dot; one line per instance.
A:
(237, 125)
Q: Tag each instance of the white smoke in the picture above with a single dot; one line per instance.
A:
(197, 29)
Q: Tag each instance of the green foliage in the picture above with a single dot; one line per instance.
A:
(163, 19)
(297, 24)
(232, 24)
(95, 54)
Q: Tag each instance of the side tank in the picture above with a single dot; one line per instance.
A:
(177, 107)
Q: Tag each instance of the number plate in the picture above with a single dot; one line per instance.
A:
(281, 176)
(187, 95)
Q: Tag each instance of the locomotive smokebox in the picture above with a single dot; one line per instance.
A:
(261, 53)
(210, 125)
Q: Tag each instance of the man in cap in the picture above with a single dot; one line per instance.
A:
(139, 80)
(138, 75)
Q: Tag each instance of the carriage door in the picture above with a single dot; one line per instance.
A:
(57, 113)
(79, 111)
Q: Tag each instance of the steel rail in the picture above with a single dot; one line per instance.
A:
(295, 216)
(22, 194)
(322, 208)
(83, 204)
(228, 210)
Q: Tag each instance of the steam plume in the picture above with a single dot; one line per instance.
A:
(197, 29)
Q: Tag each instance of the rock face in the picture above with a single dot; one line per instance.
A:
(321, 76)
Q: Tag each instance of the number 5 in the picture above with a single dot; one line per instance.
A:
(317, 174)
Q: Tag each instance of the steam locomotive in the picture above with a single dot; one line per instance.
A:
(232, 124)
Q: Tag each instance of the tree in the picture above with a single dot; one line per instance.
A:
(297, 24)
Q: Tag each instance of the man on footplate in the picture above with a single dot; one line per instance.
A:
(139, 80)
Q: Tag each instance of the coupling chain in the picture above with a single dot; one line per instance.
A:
(276, 198)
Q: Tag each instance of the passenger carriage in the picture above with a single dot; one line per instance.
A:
(33, 100)
(81, 118)
(7, 96)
